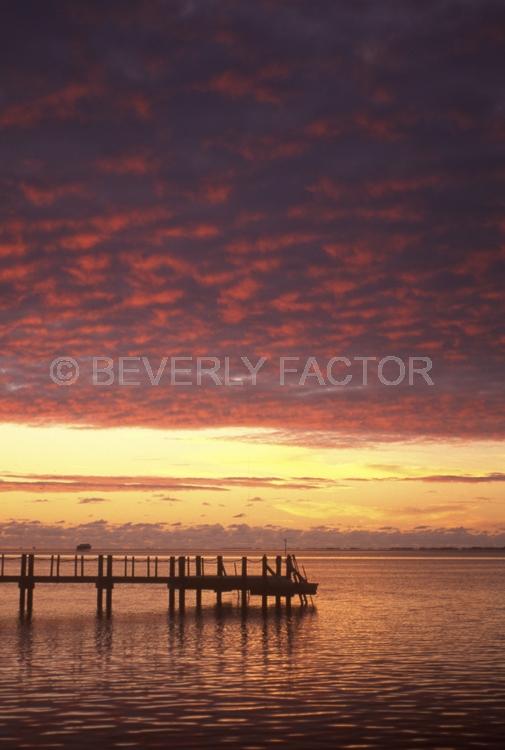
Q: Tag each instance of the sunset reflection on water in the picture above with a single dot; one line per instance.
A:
(402, 651)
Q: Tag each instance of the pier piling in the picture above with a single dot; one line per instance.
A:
(109, 587)
(198, 571)
(278, 572)
(182, 590)
(220, 572)
(289, 573)
(30, 586)
(99, 587)
(244, 592)
(171, 590)
(22, 587)
(264, 573)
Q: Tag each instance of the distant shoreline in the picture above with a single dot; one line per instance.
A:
(212, 550)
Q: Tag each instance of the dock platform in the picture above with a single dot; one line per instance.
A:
(280, 578)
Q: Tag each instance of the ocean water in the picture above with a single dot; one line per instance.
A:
(401, 651)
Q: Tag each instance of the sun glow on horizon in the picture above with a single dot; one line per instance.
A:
(230, 475)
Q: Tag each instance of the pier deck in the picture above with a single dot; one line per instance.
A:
(179, 574)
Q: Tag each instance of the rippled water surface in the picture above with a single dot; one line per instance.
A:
(401, 652)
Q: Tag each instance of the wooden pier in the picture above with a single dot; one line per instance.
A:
(280, 578)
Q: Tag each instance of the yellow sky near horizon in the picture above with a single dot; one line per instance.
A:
(348, 487)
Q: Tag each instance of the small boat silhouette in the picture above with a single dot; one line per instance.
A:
(82, 547)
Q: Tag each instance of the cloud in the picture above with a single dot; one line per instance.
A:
(236, 85)
(41, 195)
(100, 533)
(432, 509)
(492, 477)
(386, 467)
(305, 235)
(166, 499)
(59, 104)
(79, 483)
(127, 164)
(496, 476)
(92, 500)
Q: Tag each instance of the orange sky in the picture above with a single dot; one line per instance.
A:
(238, 476)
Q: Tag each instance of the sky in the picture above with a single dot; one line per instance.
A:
(229, 180)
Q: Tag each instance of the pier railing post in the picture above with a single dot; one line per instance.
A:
(264, 573)
(99, 587)
(109, 587)
(198, 570)
(182, 589)
(244, 584)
